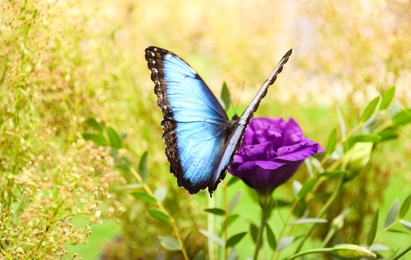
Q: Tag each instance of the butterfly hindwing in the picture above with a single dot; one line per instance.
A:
(194, 123)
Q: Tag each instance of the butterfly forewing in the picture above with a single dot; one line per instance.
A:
(194, 123)
(236, 134)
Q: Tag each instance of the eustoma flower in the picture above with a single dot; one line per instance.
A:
(271, 152)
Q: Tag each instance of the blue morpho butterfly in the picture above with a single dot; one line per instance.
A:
(200, 139)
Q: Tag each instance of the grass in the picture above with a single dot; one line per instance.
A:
(64, 62)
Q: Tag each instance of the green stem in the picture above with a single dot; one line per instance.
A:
(210, 227)
(163, 209)
(313, 251)
(6, 254)
(265, 203)
(226, 218)
(323, 210)
(327, 239)
(275, 254)
(402, 253)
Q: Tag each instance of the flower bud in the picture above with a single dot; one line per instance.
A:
(357, 158)
(352, 251)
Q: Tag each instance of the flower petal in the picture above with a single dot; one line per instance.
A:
(292, 133)
(262, 151)
(298, 151)
(267, 180)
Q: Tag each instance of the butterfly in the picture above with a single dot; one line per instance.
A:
(200, 140)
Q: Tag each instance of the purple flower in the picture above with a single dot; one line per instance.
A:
(271, 152)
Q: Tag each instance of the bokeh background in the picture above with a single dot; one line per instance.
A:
(63, 62)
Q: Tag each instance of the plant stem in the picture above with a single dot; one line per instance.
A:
(163, 209)
(210, 227)
(275, 254)
(402, 253)
(226, 218)
(265, 203)
(312, 251)
(323, 210)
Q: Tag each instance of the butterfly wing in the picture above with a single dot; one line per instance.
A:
(239, 125)
(195, 126)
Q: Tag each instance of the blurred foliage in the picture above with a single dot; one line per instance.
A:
(63, 62)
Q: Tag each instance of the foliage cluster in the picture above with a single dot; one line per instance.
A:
(48, 174)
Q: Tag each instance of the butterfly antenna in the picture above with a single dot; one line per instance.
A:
(239, 98)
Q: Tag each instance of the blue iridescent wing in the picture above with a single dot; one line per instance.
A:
(194, 123)
(200, 140)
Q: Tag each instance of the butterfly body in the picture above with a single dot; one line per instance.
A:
(200, 139)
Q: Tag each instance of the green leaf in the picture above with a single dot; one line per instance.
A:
(225, 95)
(373, 229)
(122, 162)
(272, 241)
(95, 125)
(300, 209)
(277, 203)
(213, 238)
(317, 164)
(216, 211)
(144, 197)
(234, 201)
(369, 109)
(393, 255)
(232, 180)
(143, 166)
(302, 221)
(160, 194)
(367, 138)
(405, 207)
(392, 214)
(235, 239)
(296, 187)
(97, 139)
(388, 134)
(313, 165)
(159, 215)
(398, 231)
(379, 247)
(342, 124)
(332, 174)
(200, 256)
(332, 142)
(114, 137)
(406, 224)
(401, 118)
(233, 255)
(231, 218)
(307, 187)
(284, 242)
(169, 243)
(185, 242)
(253, 232)
(387, 98)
